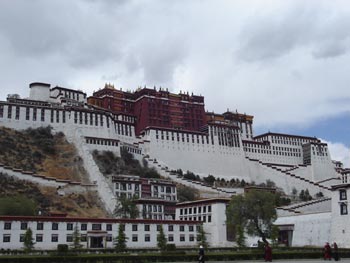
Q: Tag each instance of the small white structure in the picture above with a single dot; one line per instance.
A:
(212, 212)
(155, 198)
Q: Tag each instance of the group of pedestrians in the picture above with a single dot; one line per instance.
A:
(328, 253)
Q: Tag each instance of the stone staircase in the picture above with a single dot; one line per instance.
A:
(287, 172)
(163, 170)
(299, 208)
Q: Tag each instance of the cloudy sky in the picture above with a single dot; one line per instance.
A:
(285, 62)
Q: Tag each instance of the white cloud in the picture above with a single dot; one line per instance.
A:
(285, 62)
(339, 152)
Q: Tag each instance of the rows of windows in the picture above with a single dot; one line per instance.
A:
(134, 238)
(132, 149)
(195, 210)
(197, 213)
(152, 208)
(99, 141)
(98, 227)
(343, 202)
(184, 137)
(55, 226)
(32, 113)
(204, 218)
(288, 140)
(123, 129)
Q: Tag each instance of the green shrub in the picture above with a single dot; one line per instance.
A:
(62, 249)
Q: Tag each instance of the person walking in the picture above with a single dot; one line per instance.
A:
(268, 252)
(201, 254)
(327, 252)
(335, 252)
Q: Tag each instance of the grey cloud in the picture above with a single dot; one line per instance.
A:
(46, 28)
(160, 60)
(318, 29)
(329, 50)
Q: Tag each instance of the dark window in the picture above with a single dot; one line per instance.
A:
(182, 228)
(54, 226)
(134, 227)
(170, 238)
(190, 228)
(24, 225)
(83, 227)
(209, 208)
(96, 226)
(7, 225)
(83, 238)
(147, 238)
(191, 238)
(21, 238)
(54, 238)
(69, 226)
(209, 219)
(343, 209)
(69, 238)
(39, 238)
(42, 115)
(147, 228)
(34, 114)
(9, 112)
(40, 226)
(109, 227)
(1, 111)
(17, 113)
(170, 228)
(109, 238)
(27, 113)
(6, 238)
(342, 195)
(158, 227)
(134, 238)
(182, 238)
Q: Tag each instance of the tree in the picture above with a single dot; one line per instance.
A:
(120, 240)
(294, 193)
(237, 212)
(274, 235)
(319, 195)
(186, 193)
(76, 238)
(255, 212)
(126, 208)
(201, 237)
(18, 205)
(240, 236)
(210, 179)
(161, 239)
(28, 241)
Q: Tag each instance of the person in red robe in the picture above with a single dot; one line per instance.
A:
(268, 252)
(327, 252)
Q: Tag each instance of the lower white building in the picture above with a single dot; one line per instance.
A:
(316, 222)
(49, 231)
(212, 213)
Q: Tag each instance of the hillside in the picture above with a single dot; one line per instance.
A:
(40, 151)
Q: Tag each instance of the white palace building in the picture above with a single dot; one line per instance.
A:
(170, 132)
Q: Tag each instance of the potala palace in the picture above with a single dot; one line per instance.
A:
(173, 131)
